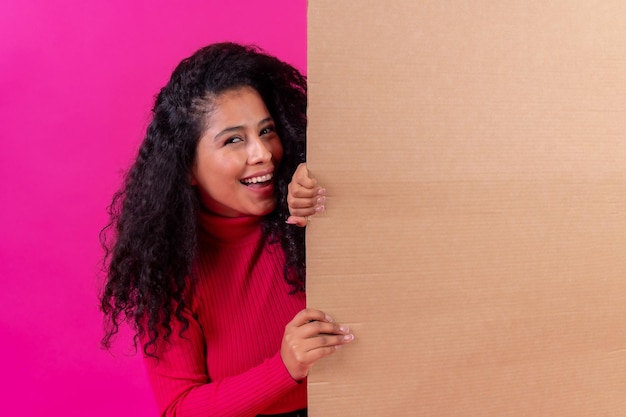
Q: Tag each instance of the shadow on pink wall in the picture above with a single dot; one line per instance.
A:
(76, 87)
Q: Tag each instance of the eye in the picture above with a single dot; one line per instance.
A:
(233, 139)
(267, 130)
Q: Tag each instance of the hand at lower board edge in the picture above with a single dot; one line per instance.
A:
(304, 197)
(310, 336)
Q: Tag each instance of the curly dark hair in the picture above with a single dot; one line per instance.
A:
(151, 241)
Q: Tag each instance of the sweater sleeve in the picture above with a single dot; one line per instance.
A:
(182, 387)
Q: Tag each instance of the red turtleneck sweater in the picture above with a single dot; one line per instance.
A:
(227, 363)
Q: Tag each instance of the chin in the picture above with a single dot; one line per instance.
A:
(266, 210)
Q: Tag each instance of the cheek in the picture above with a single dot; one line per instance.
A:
(211, 174)
(277, 151)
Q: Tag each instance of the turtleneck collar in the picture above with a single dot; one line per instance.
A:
(230, 229)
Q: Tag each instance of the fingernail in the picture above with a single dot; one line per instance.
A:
(319, 209)
(321, 200)
(348, 337)
(344, 329)
(329, 319)
(321, 191)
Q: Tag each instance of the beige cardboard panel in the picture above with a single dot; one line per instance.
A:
(475, 159)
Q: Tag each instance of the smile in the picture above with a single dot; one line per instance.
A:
(256, 180)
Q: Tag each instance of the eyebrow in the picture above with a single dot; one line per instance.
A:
(237, 128)
(227, 131)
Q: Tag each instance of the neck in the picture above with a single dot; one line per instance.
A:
(229, 229)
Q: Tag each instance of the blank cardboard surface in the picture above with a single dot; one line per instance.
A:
(474, 155)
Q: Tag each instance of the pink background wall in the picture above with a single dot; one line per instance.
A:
(77, 80)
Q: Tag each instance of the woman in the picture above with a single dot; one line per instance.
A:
(205, 262)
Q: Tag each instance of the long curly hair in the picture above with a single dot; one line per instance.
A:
(150, 243)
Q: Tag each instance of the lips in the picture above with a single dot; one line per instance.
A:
(261, 179)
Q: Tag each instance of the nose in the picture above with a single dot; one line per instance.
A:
(258, 151)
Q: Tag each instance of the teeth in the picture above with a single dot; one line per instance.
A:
(254, 180)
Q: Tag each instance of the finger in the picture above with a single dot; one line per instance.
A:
(310, 314)
(298, 220)
(301, 173)
(317, 329)
(314, 355)
(300, 210)
(300, 191)
(307, 211)
(323, 342)
(302, 176)
(306, 202)
(306, 182)
(309, 202)
(301, 347)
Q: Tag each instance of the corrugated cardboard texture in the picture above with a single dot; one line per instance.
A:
(474, 154)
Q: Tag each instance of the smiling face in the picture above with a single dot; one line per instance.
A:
(237, 156)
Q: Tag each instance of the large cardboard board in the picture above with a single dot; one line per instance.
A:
(474, 154)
